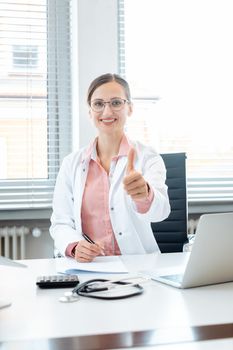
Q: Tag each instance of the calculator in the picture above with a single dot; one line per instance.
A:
(57, 281)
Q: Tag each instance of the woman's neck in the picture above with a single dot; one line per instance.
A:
(108, 146)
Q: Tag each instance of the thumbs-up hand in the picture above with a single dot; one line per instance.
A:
(134, 183)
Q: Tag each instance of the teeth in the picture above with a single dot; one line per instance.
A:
(107, 120)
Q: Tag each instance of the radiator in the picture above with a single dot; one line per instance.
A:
(12, 241)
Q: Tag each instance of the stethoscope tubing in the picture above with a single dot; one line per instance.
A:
(82, 290)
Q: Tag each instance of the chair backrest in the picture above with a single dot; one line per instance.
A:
(171, 233)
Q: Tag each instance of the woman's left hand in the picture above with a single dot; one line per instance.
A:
(134, 183)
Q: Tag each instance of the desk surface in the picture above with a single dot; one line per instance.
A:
(37, 313)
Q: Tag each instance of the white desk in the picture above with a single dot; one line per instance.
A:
(36, 313)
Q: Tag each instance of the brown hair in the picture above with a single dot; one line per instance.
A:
(107, 78)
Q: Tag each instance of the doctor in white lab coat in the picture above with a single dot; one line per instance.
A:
(113, 188)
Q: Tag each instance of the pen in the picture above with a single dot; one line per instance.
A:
(88, 239)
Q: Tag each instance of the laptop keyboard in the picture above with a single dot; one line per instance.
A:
(175, 278)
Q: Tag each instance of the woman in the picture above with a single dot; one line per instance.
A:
(111, 190)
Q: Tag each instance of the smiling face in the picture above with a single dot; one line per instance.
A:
(110, 120)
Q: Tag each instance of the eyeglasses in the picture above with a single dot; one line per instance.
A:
(116, 104)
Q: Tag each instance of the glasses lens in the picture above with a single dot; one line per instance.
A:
(97, 105)
(117, 104)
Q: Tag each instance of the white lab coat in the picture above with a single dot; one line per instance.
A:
(132, 229)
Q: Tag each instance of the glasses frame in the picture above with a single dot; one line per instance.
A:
(110, 101)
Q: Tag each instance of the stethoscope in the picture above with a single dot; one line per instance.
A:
(100, 288)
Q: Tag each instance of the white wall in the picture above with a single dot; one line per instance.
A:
(96, 54)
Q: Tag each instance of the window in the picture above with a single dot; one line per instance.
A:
(177, 57)
(25, 56)
(35, 99)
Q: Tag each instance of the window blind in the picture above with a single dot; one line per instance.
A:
(181, 78)
(35, 99)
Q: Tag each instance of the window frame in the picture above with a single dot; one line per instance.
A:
(103, 19)
(36, 194)
(195, 205)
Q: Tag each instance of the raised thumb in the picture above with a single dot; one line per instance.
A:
(130, 164)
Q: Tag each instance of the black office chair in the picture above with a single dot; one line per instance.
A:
(171, 234)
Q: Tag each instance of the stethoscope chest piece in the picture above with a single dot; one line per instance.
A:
(69, 297)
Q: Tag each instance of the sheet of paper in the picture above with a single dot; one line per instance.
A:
(106, 264)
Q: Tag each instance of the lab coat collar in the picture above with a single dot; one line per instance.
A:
(90, 151)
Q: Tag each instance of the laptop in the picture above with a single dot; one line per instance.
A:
(211, 258)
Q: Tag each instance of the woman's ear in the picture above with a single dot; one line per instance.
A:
(130, 109)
